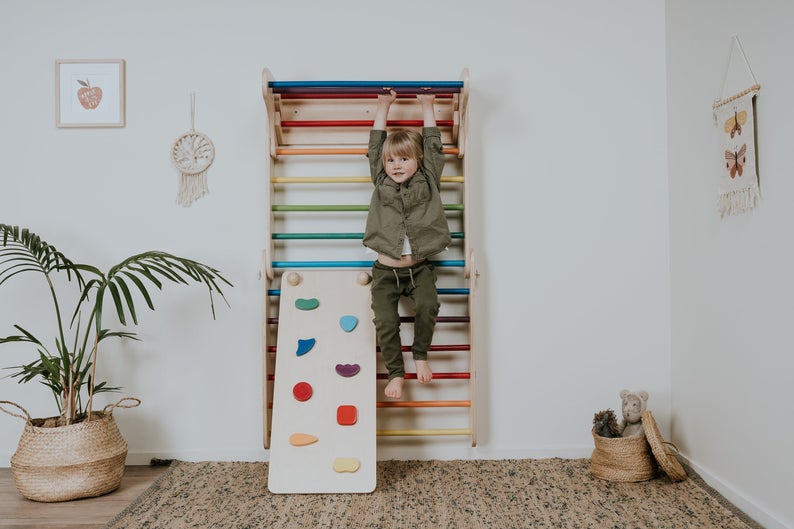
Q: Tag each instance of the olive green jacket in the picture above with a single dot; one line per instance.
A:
(413, 208)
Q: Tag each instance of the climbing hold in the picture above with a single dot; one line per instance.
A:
(307, 304)
(304, 346)
(348, 370)
(364, 278)
(302, 391)
(294, 278)
(348, 323)
(346, 415)
(302, 439)
(346, 464)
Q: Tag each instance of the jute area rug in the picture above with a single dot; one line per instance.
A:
(473, 494)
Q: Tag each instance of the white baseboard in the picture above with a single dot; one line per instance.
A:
(390, 451)
(762, 517)
(384, 452)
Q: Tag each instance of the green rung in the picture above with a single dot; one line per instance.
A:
(342, 207)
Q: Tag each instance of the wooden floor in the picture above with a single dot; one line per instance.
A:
(19, 513)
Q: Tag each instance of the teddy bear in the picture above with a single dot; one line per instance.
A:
(634, 403)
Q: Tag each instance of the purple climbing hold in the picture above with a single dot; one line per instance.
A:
(348, 370)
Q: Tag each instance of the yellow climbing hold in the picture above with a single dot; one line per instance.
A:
(346, 464)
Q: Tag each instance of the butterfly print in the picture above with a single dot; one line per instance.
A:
(733, 125)
(735, 160)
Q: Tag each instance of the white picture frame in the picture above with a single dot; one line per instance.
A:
(89, 93)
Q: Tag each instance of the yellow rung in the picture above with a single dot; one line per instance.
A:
(417, 433)
(339, 179)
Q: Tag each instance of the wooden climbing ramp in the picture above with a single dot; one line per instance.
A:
(323, 433)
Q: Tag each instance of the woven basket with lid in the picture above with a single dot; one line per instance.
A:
(627, 459)
(665, 452)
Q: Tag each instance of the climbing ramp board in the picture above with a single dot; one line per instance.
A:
(323, 429)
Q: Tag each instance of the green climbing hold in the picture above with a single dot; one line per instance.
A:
(307, 304)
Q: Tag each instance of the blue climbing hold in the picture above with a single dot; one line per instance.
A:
(348, 323)
(304, 346)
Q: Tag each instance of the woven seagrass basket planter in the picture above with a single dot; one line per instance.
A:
(83, 460)
(627, 459)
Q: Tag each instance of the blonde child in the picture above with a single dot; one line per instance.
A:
(406, 225)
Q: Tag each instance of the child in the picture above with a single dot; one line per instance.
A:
(406, 225)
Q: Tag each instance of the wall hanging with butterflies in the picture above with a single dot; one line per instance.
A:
(734, 116)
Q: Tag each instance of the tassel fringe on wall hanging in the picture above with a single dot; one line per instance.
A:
(734, 116)
(192, 154)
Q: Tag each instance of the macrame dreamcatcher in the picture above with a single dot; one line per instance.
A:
(192, 154)
(734, 117)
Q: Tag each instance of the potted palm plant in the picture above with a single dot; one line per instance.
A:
(79, 452)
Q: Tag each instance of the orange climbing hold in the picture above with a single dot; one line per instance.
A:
(346, 415)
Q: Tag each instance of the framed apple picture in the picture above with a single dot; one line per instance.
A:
(89, 93)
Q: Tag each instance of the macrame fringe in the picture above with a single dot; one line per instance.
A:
(737, 201)
(191, 188)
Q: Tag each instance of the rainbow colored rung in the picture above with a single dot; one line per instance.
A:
(403, 319)
(340, 150)
(441, 292)
(408, 376)
(424, 404)
(341, 207)
(361, 123)
(342, 179)
(353, 264)
(428, 432)
(346, 95)
(333, 236)
(365, 87)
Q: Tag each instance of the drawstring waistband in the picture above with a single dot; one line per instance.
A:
(410, 274)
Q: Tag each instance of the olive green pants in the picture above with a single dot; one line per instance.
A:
(417, 283)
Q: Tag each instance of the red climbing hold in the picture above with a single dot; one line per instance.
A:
(302, 391)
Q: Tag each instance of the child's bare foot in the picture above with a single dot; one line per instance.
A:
(394, 389)
(423, 373)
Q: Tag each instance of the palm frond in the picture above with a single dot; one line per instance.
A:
(24, 251)
(147, 267)
(69, 372)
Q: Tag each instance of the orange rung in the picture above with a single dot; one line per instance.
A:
(424, 404)
(342, 150)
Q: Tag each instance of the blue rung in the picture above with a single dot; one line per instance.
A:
(454, 291)
(365, 84)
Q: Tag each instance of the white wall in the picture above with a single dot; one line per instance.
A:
(567, 153)
(732, 368)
